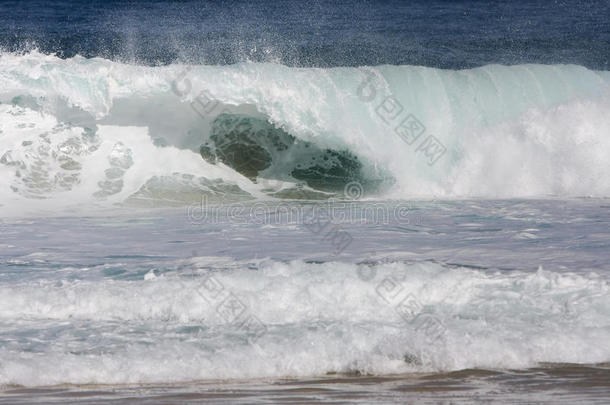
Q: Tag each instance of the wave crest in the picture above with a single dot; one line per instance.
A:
(400, 131)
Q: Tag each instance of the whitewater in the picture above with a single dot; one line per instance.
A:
(445, 220)
(164, 297)
(314, 319)
(83, 130)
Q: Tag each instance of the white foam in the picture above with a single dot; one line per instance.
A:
(52, 165)
(319, 318)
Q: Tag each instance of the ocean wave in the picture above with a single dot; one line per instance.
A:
(94, 130)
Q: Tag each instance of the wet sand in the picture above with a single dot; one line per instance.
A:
(550, 383)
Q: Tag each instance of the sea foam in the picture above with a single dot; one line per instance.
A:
(304, 319)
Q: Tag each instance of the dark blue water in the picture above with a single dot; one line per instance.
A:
(446, 34)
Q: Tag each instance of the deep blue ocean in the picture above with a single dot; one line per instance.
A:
(442, 34)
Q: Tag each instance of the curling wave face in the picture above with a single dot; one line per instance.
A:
(92, 130)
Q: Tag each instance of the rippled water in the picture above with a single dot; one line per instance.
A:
(430, 287)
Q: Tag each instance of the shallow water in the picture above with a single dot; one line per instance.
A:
(561, 383)
(245, 293)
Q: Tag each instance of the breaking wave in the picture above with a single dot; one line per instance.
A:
(96, 131)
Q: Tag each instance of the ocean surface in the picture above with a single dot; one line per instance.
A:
(337, 202)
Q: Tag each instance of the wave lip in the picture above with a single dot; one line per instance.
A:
(401, 131)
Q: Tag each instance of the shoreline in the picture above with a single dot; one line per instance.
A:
(547, 383)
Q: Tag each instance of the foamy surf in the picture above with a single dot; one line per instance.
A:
(297, 319)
